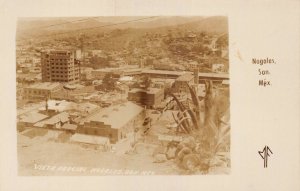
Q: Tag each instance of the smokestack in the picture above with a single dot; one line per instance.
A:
(46, 105)
(196, 76)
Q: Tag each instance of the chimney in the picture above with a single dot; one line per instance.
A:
(46, 106)
(196, 76)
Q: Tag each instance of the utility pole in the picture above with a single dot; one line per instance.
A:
(82, 57)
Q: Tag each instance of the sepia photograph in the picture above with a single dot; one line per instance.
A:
(150, 95)
(123, 95)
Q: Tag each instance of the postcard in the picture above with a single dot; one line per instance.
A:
(124, 95)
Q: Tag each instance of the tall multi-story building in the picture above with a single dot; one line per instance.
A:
(60, 66)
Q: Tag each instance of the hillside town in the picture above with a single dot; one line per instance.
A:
(148, 99)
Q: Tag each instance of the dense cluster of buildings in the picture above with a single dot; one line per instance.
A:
(84, 118)
(74, 108)
(60, 89)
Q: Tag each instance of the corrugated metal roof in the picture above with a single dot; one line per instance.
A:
(63, 117)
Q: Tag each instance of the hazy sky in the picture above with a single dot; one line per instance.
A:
(110, 19)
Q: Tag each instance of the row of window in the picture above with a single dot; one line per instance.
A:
(61, 80)
(62, 76)
(60, 64)
(38, 92)
(52, 59)
(61, 68)
(61, 71)
(65, 73)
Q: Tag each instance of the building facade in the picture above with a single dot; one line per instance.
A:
(60, 66)
(151, 97)
(41, 91)
(104, 123)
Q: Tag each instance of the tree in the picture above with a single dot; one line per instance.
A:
(99, 62)
(222, 41)
(146, 82)
(108, 82)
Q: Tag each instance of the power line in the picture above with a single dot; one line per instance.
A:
(91, 28)
(63, 23)
(53, 25)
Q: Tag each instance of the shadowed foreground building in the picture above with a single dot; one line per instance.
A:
(151, 97)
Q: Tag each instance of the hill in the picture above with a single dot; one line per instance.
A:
(32, 27)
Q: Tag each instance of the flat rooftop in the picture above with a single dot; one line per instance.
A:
(61, 117)
(186, 77)
(166, 72)
(45, 86)
(123, 68)
(32, 117)
(117, 115)
(149, 90)
(214, 75)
